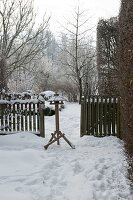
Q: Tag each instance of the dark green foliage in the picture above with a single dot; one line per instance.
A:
(107, 58)
(49, 112)
(126, 76)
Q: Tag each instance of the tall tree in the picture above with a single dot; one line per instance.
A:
(21, 40)
(78, 50)
(107, 56)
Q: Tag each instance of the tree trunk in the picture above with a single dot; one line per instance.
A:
(3, 74)
(80, 90)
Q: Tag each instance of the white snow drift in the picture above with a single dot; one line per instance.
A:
(95, 170)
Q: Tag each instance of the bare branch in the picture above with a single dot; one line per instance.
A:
(21, 39)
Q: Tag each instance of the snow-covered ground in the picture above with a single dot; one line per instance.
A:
(95, 170)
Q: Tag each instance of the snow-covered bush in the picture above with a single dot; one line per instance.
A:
(49, 111)
(47, 94)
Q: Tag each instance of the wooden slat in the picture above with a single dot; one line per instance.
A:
(105, 117)
(30, 117)
(18, 116)
(114, 116)
(22, 117)
(6, 117)
(81, 117)
(14, 120)
(96, 115)
(41, 120)
(118, 119)
(34, 117)
(26, 117)
(85, 116)
(109, 115)
(101, 117)
(2, 115)
(10, 117)
(38, 118)
(88, 116)
(92, 116)
(82, 124)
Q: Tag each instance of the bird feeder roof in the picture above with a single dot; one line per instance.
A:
(56, 98)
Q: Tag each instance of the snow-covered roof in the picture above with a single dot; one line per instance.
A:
(57, 97)
(47, 93)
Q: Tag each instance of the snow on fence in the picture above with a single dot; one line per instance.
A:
(22, 115)
(100, 116)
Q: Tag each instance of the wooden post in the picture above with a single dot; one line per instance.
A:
(42, 128)
(101, 117)
(14, 117)
(105, 117)
(10, 117)
(82, 116)
(22, 117)
(96, 116)
(34, 117)
(57, 121)
(56, 100)
(118, 119)
(37, 116)
(109, 114)
(26, 118)
(92, 115)
(30, 120)
(88, 115)
(114, 116)
(2, 115)
(18, 116)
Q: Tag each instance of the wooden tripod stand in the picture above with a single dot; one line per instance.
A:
(57, 133)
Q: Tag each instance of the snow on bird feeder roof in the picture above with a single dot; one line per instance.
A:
(56, 99)
(47, 93)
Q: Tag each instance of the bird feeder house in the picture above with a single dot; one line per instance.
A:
(57, 100)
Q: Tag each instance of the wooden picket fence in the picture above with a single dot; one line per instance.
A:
(22, 115)
(100, 116)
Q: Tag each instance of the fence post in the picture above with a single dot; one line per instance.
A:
(101, 117)
(42, 127)
(88, 115)
(82, 117)
(118, 118)
(97, 116)
(114, 116)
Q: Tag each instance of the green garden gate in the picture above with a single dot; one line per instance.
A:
(100, 116)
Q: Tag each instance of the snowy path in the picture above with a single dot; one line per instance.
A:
(95, 170)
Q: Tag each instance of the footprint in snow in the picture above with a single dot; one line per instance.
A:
(18, 189)
(33, 182)
(54, 181)
(96, 166)
(101, 160)
(99, 186)
(77, 168)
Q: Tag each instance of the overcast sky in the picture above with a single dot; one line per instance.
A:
(60, 9)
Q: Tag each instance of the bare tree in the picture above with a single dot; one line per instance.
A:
(21, 39)
(78, 51)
